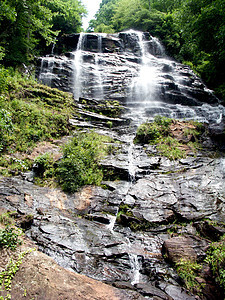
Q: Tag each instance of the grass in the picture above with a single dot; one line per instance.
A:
(168, 143)
(30, 112)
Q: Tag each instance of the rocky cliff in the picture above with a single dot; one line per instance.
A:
(153, 207)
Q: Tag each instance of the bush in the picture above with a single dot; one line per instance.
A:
(9, 237)
(216, 260)
(150, 132)
(80, 163)
(6, 127)
(4, 73)
(188, 271)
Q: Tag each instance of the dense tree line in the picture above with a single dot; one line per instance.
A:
(26, 26)
(192, 31)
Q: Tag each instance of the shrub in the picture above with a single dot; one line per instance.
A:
(80, 163)
(150, 132)
(188, 271)
(9, 237)
(6, 126)
(4, 73)
(216, 260)
(43, 165)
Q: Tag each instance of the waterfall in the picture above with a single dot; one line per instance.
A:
(46, 70)
(144, 86)
(99, 92)
(132, 67)
(78, 59)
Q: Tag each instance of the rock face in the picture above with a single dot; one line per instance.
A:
(130, 67)
(116, 233)
(39, 277)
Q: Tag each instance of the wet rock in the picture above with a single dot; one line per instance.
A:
(41, 278)
(217, 133)
(184, 247)
(211, 231)
(151, 290)
(176, 292)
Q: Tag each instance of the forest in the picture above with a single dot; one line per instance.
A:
(193, 31)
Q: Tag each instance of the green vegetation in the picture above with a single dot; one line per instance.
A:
(171, 148)
(216, 260)
(182, 25)
(7, 275)
(7, 218)
(172, 144)
(151, 132)
(188, 271)
(9, 237)
(80, 163)
(31, 112)
(26, 27)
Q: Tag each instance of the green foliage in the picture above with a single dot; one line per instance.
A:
(159, 133)
(170, 148)
(9, 237)
(45, 165)
(7, 275)
(80, 163)
(7, 218)
(188, 271)
(67, 15)
(6, 126)
(31, 112)
(28, 26)
(151, 132)
(216, 260)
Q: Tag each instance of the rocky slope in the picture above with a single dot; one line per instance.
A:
(119, 234)
(150, 211)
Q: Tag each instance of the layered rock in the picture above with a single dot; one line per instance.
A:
(106, 66)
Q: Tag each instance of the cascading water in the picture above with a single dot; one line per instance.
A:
(78, 59)
(99, 92)
(46, 73)
(132, 68)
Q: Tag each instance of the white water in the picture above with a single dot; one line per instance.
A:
(46, 73)
(78, 60)
(135, 268)
(99, 92)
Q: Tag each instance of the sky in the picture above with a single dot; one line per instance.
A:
(92, 6)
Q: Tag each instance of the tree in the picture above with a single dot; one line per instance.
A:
(67, 15)
(25, 25)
